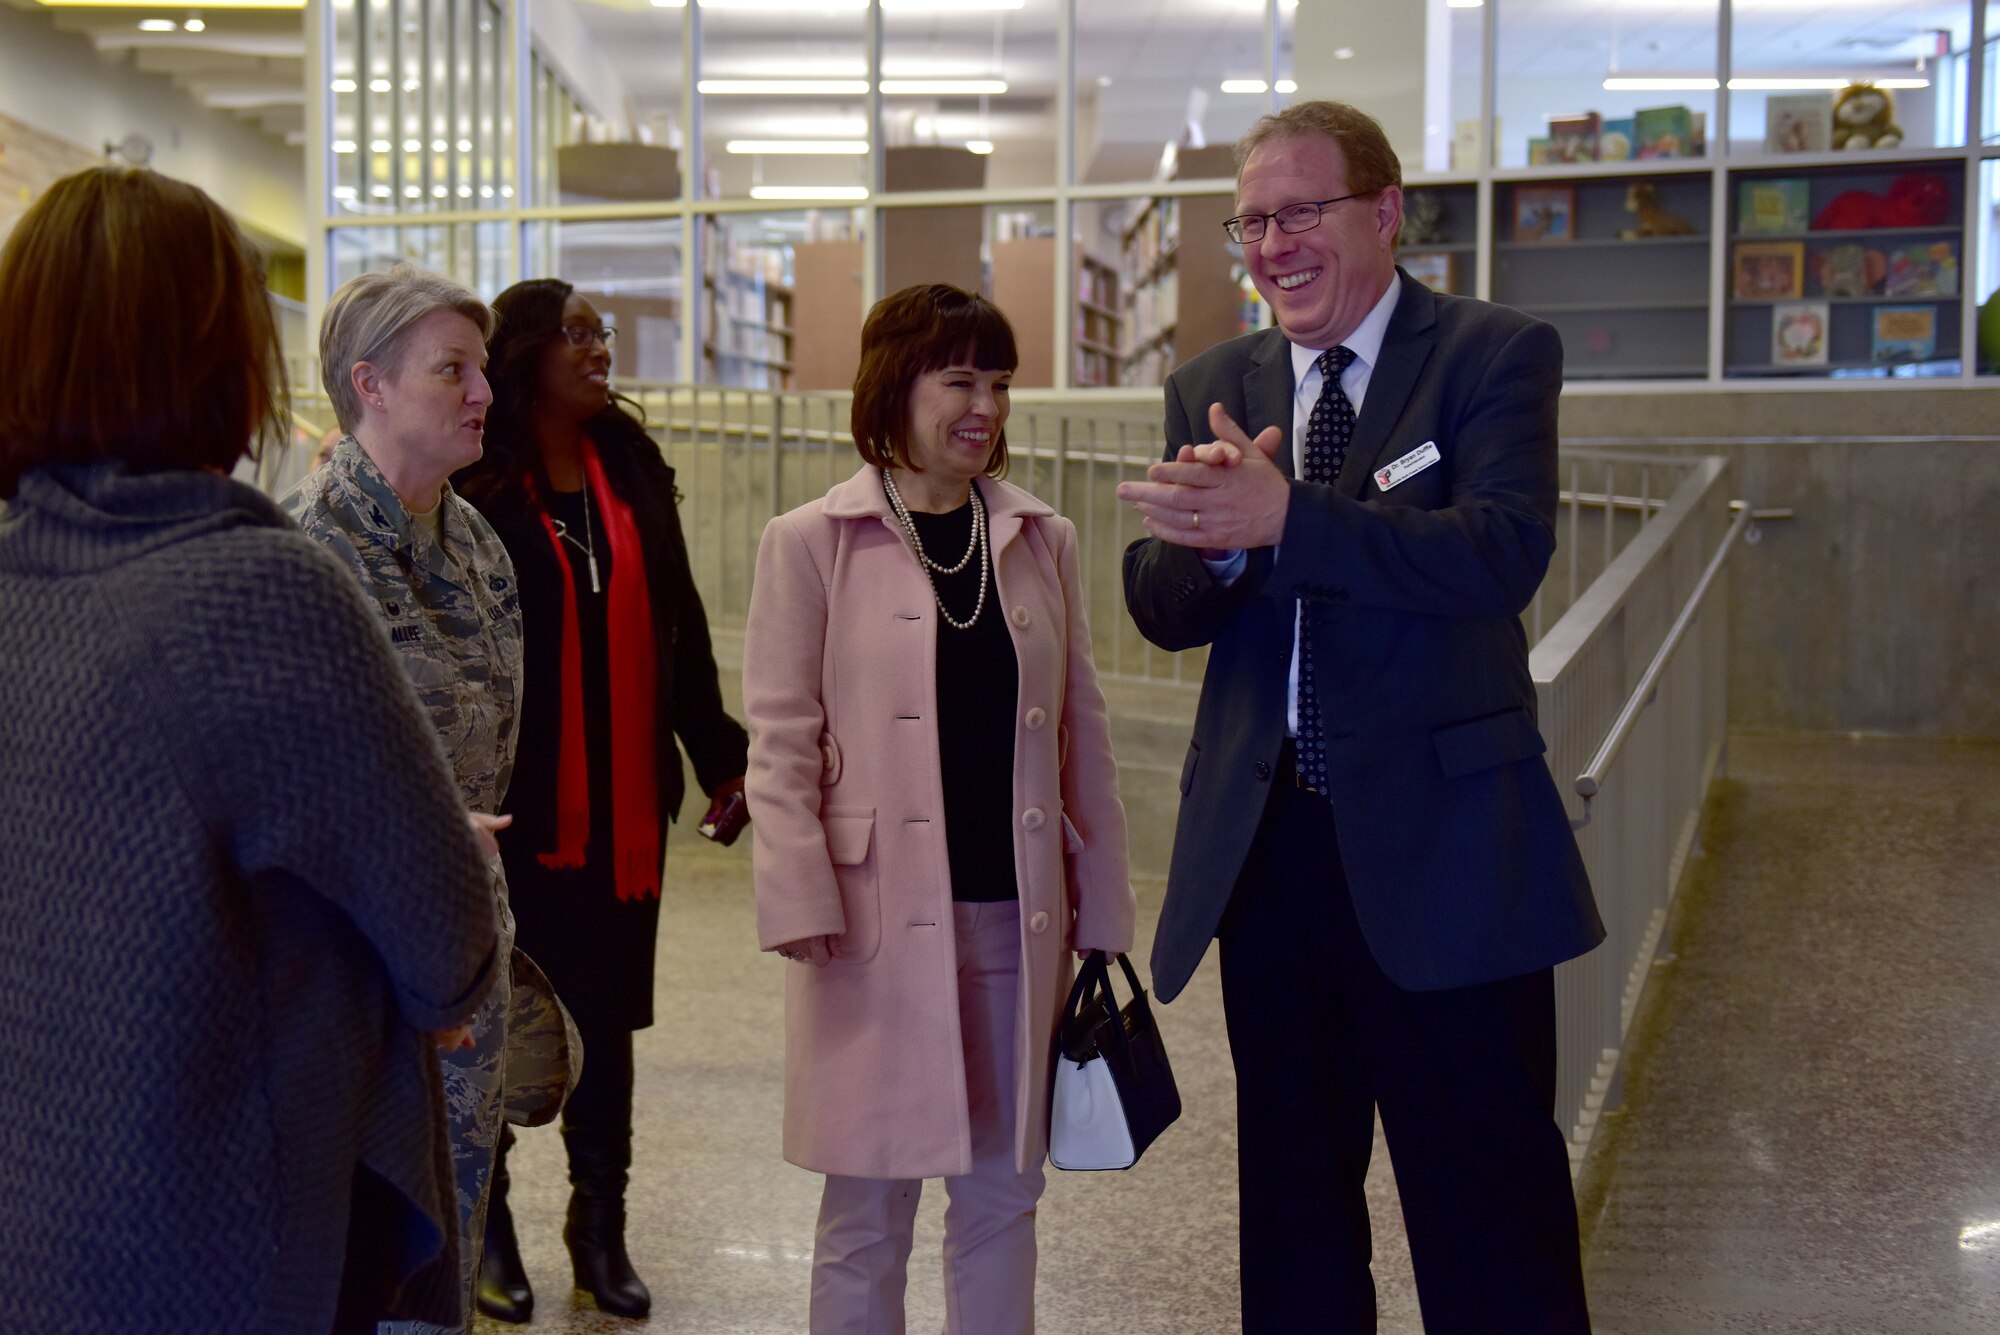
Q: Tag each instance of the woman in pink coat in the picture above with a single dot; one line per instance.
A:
(936, 821)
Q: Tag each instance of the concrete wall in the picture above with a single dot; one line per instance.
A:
(58, 83)
(1877, 609)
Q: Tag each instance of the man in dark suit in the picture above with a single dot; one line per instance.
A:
(1367, 824)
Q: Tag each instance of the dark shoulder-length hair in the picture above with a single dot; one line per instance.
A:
(527, 317)
(134, 326)
(918, 330)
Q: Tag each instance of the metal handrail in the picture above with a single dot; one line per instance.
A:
(1592, 779)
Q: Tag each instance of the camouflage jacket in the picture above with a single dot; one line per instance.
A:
(450, 608)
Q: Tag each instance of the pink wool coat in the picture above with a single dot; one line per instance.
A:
(847, 800)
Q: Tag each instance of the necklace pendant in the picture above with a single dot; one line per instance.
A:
(592, 558)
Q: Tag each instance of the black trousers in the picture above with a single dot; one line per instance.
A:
(1465, 1083)
(597, 1120)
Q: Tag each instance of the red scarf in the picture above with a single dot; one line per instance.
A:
(635, 807)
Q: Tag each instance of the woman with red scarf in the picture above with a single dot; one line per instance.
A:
(617, 664)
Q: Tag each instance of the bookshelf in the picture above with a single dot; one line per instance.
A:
(1618, 262)
(747, 324)
(1836, 269)
(1024, 288)
(1182, 278)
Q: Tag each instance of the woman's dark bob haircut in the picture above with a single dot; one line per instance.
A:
(918, 330)
(134, 326)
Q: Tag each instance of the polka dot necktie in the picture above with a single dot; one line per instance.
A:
(1328, 430)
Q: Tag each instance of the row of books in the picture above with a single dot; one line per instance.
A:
(1155, 305)
(1648, 133)
(1780, 270)
(1097, 283)
(1802, 330)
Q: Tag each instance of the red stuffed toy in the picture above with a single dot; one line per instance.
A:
(1915, 199)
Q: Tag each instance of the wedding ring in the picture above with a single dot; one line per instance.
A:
(1197, 519)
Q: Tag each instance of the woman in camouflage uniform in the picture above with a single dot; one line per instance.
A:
(402, 355)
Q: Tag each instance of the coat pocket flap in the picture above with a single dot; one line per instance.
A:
(1466, 748)
(847, 838)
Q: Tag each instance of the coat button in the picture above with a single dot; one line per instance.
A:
(1037, 717)
(1020, 616)
(1263, 770)
(1032, 818)
(1039, 923)
(826, 757)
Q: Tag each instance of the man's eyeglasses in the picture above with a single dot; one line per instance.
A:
(583, 335)
(1247, 227)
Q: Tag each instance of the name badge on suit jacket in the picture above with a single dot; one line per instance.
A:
(1416, 461)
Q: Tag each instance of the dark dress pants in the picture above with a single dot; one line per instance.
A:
(1465, 1082)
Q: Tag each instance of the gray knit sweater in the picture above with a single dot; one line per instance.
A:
(236, 891)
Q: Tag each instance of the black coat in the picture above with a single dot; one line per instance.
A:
(596, 950)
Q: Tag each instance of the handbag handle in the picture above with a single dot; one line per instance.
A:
(1095, 977)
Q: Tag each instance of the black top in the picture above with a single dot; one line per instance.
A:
(594, 650)
(978, 685)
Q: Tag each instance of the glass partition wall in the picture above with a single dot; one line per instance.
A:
(1690, 190)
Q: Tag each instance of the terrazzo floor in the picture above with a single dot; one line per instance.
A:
(1807, 1140)
(721, 1226)
(1811, 1134)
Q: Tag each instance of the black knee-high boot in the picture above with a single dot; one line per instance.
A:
(504, 1294)
(597, 1131)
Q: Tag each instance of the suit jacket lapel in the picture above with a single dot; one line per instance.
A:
(1267, 389)
(1405, 349)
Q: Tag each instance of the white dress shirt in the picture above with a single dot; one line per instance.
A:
(1366, 345)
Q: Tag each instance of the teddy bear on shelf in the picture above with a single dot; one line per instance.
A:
(1864, 116)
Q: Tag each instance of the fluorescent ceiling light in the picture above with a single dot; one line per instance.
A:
(979, 146)
(808, 192)
(342, 85)
(830, 6)
(795, 87)
(172, 4)
(378, 85)
(1678, 84)
(195, 24)
(158, 25)
(344, 145)
(943, 87)
(1783, 85)
(1257, 85)
(1464, 4)
(1620, 84)
(828, 146)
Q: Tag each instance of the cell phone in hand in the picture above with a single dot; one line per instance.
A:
(725, 819)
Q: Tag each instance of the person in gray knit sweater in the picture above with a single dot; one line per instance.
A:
(239, 895)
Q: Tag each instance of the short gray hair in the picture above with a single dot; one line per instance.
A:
(369, 320)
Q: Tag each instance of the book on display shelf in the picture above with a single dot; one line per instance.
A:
(1799, 333)
(1798, 122)
(1432, 268)
(1774, 206)
(1663, 132)
(1768, 270)
(1574, 138)
(1904, 334)
(1544, 213)
(1614, 141)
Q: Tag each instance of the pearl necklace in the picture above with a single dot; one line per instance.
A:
(980, 543)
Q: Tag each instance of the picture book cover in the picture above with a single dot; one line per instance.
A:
(1574, 138)
(1614, 141)
(1544, 213)
(1432, 268)
(1774, 206)
(1927, 269)
(1850, 270)
(1663, 132)
(1769, 270)
(1798, 333)
(1905, 333)
(1798, 123)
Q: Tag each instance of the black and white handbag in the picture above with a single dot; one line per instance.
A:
(1114, 1092)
